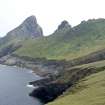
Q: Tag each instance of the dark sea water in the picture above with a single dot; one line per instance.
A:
(13, 86)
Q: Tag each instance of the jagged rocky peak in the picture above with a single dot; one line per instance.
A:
(64, 24)
(29, 28)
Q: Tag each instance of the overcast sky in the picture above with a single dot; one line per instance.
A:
(49, 13)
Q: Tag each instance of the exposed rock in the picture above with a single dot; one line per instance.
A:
(49, 91)
(64, 24)
(63, 29)
(29, 28)
(40, 66)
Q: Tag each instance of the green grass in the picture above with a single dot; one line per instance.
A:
(89, 91)
(68, 72)
(97, 64)
(67, 44)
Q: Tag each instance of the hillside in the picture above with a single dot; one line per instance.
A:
(67, 43)
(50, 88)
(89, 91)
(28, 29)
(63, 58)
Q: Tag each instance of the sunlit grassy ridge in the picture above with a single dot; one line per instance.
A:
(87, 37)
(89, 91)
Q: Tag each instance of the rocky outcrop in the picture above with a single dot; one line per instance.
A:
(49, 90)
(29, 28)
(40, 66)
(64, 24)
(64, 27)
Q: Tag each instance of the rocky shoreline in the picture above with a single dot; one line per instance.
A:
(58, 76)
(48, 90)
(40, 66)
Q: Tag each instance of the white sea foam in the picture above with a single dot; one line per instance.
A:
(30, 86)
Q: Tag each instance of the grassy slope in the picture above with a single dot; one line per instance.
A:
(8, 40)
(89, 91)
(72, 43)
(97, 64)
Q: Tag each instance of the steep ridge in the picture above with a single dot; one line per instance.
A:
(67, 43)
(29, 29)
(88, 91)
(50, 88)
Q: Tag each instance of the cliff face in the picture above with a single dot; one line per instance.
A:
(49, 90)
(64, 24)
(29, 28)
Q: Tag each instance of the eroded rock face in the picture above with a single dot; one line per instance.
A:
(29, 28)
(64, 24)
(49, 92)
(63, 28)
